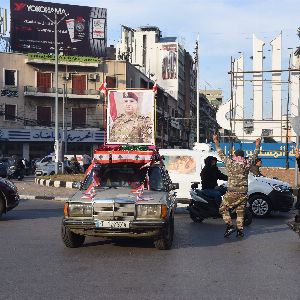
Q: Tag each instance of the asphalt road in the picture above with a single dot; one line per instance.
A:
(34, 263)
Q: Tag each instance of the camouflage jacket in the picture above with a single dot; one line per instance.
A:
(237, 173)
(134, 129)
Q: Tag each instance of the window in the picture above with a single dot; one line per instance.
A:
(78, 117)
(44, 82)
(43, 115)
(111, 82)
(10, 112)
(10, 77)
(143, 84)
(79, 84)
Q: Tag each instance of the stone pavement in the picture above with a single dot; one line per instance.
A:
(29, 190)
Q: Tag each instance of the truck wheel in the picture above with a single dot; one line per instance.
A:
(2, 207)
(166, 239)
(260, 206)
(71, 239)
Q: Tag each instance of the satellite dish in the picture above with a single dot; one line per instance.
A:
(295, 122)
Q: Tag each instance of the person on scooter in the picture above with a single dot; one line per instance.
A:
(209, 179)
(238, 168)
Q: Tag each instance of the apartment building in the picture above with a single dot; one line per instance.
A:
(27, 102)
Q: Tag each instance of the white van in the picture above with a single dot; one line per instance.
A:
(265, 194)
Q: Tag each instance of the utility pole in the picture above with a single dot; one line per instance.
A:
(197, 85)
(56, 134)
(287, 118)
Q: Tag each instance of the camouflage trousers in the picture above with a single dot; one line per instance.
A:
(237, 201)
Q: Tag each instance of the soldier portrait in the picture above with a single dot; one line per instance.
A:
(130, 117)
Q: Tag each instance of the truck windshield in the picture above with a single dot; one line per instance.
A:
(123, 175)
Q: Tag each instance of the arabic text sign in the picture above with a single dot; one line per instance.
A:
(47, 135)
(81, 30)
(272, 154)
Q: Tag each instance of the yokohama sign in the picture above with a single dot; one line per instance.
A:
(81, 29)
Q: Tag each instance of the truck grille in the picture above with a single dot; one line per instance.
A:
(114, 210)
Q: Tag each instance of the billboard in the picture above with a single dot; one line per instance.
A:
(130, 117)
(81, 30)
(169, 68)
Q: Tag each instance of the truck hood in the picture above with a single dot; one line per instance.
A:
(121, 195)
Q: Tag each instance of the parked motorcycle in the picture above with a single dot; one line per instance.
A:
(202, 207)
(15, 173)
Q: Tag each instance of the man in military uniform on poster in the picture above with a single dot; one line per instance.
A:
(131, 127)
(236, 196)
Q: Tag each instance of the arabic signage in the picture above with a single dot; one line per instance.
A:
(81, 29)
(130, 116)
(272, 154)
(47, 135)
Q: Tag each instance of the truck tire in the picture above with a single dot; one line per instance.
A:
(166, 239)
(247, 217)
(2, 206)
(71, 239)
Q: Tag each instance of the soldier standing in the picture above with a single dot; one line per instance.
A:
(236, 196)
(131, 127)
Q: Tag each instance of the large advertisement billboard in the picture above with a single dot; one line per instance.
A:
(130, 117)
(169, 68)
(81, 30)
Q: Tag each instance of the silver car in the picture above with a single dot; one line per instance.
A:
(122, 200)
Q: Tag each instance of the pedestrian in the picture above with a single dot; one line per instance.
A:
(74, 165)
(86, 160)
(236, 196)
(255, 169)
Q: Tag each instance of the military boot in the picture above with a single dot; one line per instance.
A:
(239, 233)
(229, 230)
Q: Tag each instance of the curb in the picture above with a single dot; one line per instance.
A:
(30, 197)
(56, 183)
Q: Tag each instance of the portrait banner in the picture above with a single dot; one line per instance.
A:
(130, 117)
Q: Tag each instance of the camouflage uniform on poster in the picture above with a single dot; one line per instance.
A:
(131, 129)
(236, 197)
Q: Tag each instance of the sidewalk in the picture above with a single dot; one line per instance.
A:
(29, 190)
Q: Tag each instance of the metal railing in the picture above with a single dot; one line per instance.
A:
(70, 91)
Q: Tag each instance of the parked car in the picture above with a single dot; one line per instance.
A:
(122, 197)
(9, 197)
(5, 163)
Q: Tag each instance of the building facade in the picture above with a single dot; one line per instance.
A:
(27, 103)
(164, 60)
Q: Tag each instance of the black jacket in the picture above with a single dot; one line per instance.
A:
(210, 175)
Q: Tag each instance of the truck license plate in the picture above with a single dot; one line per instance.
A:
(112, 224)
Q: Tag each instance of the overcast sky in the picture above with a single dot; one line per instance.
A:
(225, 28)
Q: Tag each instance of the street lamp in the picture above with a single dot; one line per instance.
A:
(56, 134)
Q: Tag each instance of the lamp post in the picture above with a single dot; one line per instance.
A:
(56, 134)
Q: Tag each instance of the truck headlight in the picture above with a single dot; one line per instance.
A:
(80, 210)
(151, 211)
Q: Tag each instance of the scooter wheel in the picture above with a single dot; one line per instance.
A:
(196, 219)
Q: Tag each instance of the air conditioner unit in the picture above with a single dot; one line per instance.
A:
(93, 76)
(67, 76)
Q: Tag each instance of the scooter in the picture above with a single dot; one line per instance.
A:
(15, 173)
(203, 207)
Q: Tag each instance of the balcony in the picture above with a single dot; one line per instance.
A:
(71, 93)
